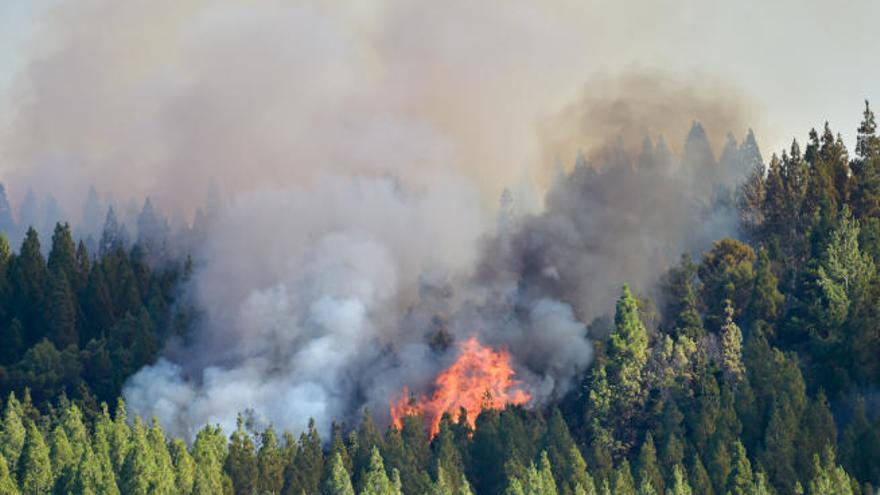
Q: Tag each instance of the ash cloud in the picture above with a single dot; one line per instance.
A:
(361, 153)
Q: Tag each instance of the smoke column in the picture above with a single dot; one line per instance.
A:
(362, 153)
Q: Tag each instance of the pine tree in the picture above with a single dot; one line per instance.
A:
(61, 316)
(62, 256)
(844, 270)
(209, 463)
(339, 481)
(731, 348)
(627, 356)
(752, 193)
(7, 481)
(779, 442)
(28, 275)
(739, 482)
(241, 463)
(184, 467)
(727, 274)
(270, 464)
(447, 457)
(679, 483)
(699, 478)
(817, 431)
(13, 433)
(648, 470)
(139, 473)
(164, 482)
(830, 479)
(35, 468)
(113, 237)
(866, 168)
(62, 459)
(440, 486)
(622, 482)
(545, 470)
(767, 301)
(120, 437)
(375, 481)
(305, 471)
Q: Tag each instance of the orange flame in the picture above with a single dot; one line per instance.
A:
(480, 378)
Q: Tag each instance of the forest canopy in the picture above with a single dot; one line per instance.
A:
(750, 366)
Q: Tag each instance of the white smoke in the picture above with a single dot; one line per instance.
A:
(361, 150)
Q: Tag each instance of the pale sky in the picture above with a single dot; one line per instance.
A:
(800, 62)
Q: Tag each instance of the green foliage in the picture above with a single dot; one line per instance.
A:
(682, 389)
(8, 485)
(13, 433)
(727, 274)
(270, 464)
(829, 478)
(241, 463)
(184, 467)
(339, 481)
(208, 454)
(647, 468)
(375, 480)
(679, 484)
(731, 348)
(35, 468)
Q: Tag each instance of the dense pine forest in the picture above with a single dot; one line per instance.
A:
(753, 368)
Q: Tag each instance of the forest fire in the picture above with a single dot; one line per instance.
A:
(481, 378)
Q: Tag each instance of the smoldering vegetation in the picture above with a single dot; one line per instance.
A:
(352, 236)
(369, 294)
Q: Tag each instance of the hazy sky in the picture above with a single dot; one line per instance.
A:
(798, 62)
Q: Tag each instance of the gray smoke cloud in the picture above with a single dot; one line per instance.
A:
(361, 152)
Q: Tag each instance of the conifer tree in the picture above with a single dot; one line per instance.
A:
(628, 347)
(62, 459)
(767, 301)
(29, 276)
(648, 471)
(440, 486)
(184, 467)
(645, 488)
(61, 317)
(339, 481)
(13, 433)
(740, 480)
(163, 464)
(35, 468)
(120, 437)
(62, 256)
(305, 471)
(699, 478)
(830, 479)
(622, 482)
(209, 463)
(375, 481)
(241, 463)
(338, 446)
(731, 348)
(866, 167)
(8, 485)
(447, 457)
(679, 483)
(270, 464)
(139, 473)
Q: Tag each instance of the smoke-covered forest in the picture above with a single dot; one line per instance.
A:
(493, 247)
(749, 365)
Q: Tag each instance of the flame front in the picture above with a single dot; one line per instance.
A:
(481, 378)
